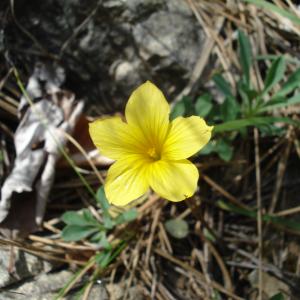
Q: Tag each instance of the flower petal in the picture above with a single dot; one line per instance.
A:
(173, 180)
(113, 138)
(148, 110)
(126, 180)
(186, 137)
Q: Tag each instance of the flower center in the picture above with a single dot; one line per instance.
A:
(153, 154)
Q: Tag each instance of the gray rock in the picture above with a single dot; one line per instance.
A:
(126, 74)
(46, 287)
(26, 265)
(120, 45)
(116, 291)
(98, 292)
(170, 36)
(180, 7)
(45, 283)
(140, 9)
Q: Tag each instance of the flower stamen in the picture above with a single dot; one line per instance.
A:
(153, 154)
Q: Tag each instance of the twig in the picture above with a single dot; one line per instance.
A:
(150, 240)
(83, 152)
(185, 266)
(280, 173)
(259, 214)
(223, 192)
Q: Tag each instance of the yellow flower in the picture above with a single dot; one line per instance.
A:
(150, 151)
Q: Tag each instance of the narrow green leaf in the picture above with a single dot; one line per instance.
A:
(292, 83)
(222, 85)
(288, 58)
(245, 55)
(106, 257)
(74, 278)
(203, 105)
(76, 233)
(280, 103)
(177, 228)
(280, 221)
(257, 121)
(276, 9)
(275, 74)
(101, 197)
(235, 209)
(209, 235)
(103, 258)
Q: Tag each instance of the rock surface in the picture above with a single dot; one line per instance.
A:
(25, 266)
(46, 287)
(109, 47)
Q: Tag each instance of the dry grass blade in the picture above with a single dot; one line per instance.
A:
(80, 148)
(222, 191)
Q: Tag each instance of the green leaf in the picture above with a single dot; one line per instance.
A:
(257, 121)
(209, 235)
(292, 83)
(203, 105)
(236, 209)
(224, 150)
(216, 295)
(245, 55)
(208, 148)
(178, 110)
(126, 216)
(101, 239)
(222, 85)
(184, 107)
(104, 241)
(189, 105)
(72, 233)
(101, 197)
(108, 222)
(279, 221)
(243, 92)
(103, 258)
(278, 296)
(106, 257)
(177, 228)
(276, 9)
(84, 218)
(280, 102)
(229, 109)
(288, 58)
(275, 74)
(272, 130)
